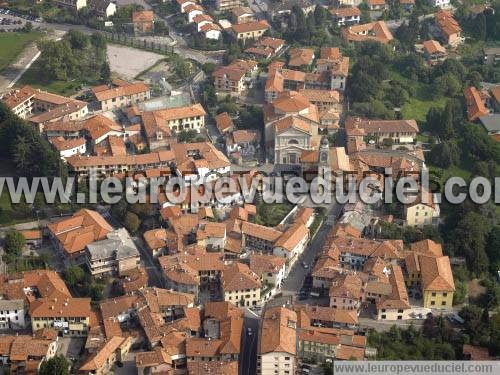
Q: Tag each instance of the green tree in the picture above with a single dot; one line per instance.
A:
(132, 222)
(73, 275)
(469, 240)
(57, 365)
(186, 136)
(105, 72)
(14, 243)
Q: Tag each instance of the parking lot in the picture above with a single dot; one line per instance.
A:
(11, 21)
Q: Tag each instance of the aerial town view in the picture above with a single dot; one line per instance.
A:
(249, 187)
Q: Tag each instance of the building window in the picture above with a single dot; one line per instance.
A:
(443, 303)
(434, 294)
(383, 316)
(433, 303)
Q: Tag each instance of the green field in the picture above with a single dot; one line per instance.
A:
(421, 100)
(35, 77)
(12, 44)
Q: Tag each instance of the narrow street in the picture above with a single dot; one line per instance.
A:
(249, 343)
(293, 283)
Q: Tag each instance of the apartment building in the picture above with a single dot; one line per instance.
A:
(278, 342)
(224, 5)
(259, 237)
(121, 95)
(114, 255)
(240, 285)
(69, 316)
(437, 282)
(71, 236)
(179, 118)
(42, 107)
(230, 80)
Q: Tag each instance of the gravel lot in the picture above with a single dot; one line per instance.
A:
(129, 62)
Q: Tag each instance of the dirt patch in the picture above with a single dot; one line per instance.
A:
(129, 62)
(475, 288)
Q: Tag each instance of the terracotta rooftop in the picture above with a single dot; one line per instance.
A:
(436, 273)
(239, 277)
(279, 328)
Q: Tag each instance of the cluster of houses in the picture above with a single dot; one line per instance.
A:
(483, 106)
(197, 15)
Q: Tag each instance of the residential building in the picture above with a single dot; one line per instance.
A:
(12, 314)
(475, 104)
(323, 99)
(376, 31)
(407, 5)
(229, 80)
(266, 47)
(345, 16)
(103, 8)
(259, 237)
(114, 255)
(211, 31)
(397, 131)
(224, 123)
(449, 29)
(292, 242)
(240, 285)
(250, 30)
(440, 3)
(24, 354)
(69, 316)
(270, 269)
(277, 342)
(491, 55)
(223, 5)
(242, 15)
(193, 10)
(346, 292)
(300, 57)
(33, 237)
(143, 21)
(491, 123)
(396, 305)
(111, 98)
(42, 107)
(326, 317)
(69, 147)
(71, 4)
(201, 20)
(101, 362)
(283, 9)
(71, 236)
(319, 345)
(434, 51)
(437, 282)
(349, 3)
(378, 5)
(161, 123)
(423, 211)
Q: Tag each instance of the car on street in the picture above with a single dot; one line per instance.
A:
(249, 331)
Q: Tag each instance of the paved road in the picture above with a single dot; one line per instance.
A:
(248, 352)
(295, 279)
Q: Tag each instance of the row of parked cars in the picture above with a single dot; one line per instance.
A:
(27, 17)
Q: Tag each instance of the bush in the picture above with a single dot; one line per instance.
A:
(14, 243)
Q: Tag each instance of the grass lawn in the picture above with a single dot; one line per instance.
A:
(12, 44)
(36, 78)
(420, 98)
